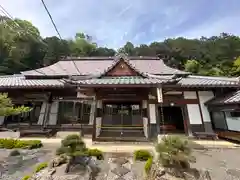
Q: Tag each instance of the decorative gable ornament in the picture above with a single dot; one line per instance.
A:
(159, 95)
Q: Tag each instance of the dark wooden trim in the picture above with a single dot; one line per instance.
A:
(200, 110)
(187, 120)
(94, 122)
(148, 115)
(117, 85)
(157, 119)
(178, 102)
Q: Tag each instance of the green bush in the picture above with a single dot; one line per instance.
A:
(175, 152)
(61, 150)
(148, 165)
(96, 153)
(72, 145)
(7, 143)
(14, 153)
(26, 177)
(142, 155)
(20, 144)
(41, 166)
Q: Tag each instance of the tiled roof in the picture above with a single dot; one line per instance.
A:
(19, 81)
(123, 80)
(231, 98)
(98, 65)
(206, 81)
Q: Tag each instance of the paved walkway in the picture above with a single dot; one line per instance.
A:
(128, 147)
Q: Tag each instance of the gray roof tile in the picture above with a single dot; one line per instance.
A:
(98, 65)
(19, 81)
(206, 81)
(123, 80)
(231, 98)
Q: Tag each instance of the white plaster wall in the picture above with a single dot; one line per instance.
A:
(190, 95)
(99, 103)
(98, 119)
(194, 114)
(98, 126)
(204, 96)
(144, 104)
(53, 115)
(2, 120)
(233, 123)
(92, 112)
(145, 126)
(42, 112)
(152, 113)
(145, 119)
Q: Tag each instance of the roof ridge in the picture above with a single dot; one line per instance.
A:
(215, 78)
(99, 58)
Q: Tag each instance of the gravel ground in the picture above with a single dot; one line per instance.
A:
(16, 167)
(223, 164)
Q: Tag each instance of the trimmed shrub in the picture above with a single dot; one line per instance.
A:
(148, 165)
(14, 153)
(20, 144)
(175, 152)
(61, 150)
(40, 167)
(72, 145)
(96, 153)
(26, 177)
(142, 155)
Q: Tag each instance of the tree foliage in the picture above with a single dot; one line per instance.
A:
(7, 108)
(23, 48)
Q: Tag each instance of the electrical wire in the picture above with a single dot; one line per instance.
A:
(7, 14)
(25, 30)
(59, 35)
(50, 16)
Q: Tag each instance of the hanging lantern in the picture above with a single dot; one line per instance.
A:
(159, 95)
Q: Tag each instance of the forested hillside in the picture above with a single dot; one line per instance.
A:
(22, 48)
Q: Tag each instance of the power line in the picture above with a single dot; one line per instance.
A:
(7, 14)
(12, 28)
(50, 16)
(56, 29)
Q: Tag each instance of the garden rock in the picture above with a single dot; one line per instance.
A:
(58, 161)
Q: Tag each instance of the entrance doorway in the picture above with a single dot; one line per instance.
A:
(171, 119)
(122, 120)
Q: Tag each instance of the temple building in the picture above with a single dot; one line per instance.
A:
(121, 98)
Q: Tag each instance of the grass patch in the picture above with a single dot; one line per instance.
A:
(148, 165)
(95, 153)
(20, 144)
(142, 155)
(26, 177)
(40, 167)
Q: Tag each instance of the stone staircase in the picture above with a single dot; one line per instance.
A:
(122, 134)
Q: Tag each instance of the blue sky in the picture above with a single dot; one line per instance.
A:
(114, 22)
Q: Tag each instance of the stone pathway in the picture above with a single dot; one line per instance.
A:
(120, 169)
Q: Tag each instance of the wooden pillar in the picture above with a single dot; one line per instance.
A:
(47, 110)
